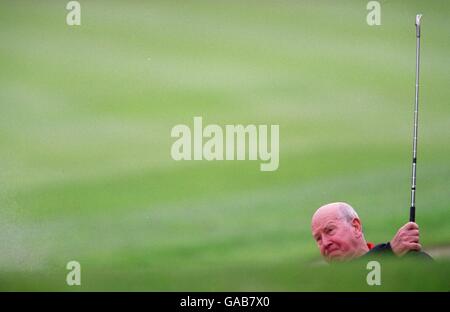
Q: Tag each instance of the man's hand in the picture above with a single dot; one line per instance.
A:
(406, 239)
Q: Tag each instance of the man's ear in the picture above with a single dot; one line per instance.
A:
(357, 227)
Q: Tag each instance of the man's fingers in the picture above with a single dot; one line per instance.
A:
(409, 234)
(414, 246)
(411, 226)
(412, 236)
(413, 239)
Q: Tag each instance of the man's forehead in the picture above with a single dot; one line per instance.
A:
(319, 226)
(324, 216)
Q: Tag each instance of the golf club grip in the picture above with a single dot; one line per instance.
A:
(412, 214)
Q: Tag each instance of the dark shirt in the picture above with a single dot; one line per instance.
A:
(386, 250)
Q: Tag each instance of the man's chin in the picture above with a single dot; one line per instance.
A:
(337, 257)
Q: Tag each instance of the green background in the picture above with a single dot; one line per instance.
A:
(85, 119)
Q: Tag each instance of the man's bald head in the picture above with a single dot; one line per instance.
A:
(337, 230)
(339, 210)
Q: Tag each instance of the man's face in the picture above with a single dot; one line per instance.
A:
(336, 238)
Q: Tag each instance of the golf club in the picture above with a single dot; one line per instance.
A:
(412, 211)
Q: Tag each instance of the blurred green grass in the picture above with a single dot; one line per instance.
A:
(85, 119)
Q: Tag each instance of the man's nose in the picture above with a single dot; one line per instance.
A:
(326, 242)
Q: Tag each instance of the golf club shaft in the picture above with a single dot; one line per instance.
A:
(412, 212)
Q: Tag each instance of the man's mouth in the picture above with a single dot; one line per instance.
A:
(332, 252)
